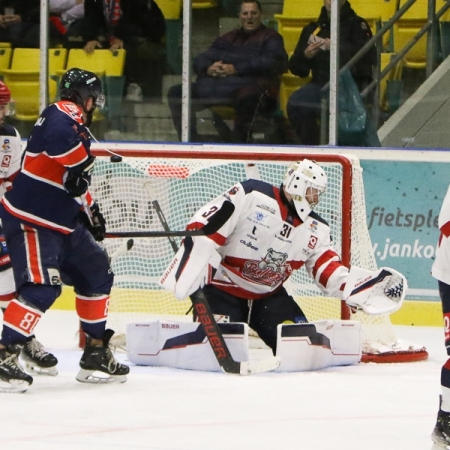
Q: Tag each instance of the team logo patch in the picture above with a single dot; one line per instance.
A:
(233, 191)
(312, 242)
(6, 160)
(271, 271)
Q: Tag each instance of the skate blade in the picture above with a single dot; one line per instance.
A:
(98, 377)
(13, 386)
(38, 370)
(438, 445)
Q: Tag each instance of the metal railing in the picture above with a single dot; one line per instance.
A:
(430, 27)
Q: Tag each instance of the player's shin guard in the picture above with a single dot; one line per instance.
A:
(98, 364)
(19, 320)
(93, 311)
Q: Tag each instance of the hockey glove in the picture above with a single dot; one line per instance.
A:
(76, 182)
(98, 226)
(375, 292)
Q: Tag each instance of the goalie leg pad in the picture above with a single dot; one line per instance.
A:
(182, 345)
(316, 345)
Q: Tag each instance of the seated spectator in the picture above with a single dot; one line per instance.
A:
(20, 24)
(312, 55)
(9, 21)
(66, 16)
(139, 27)
(240, 68)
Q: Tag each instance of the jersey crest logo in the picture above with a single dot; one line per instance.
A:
(271, 271)
(233, 191)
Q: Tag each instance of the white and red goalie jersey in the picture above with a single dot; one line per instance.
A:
(259, 242)
(441, 266)
(10, 156)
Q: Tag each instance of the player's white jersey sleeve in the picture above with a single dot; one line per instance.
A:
(441, 266)
(10, 159)
(325, 267)
(192, 267)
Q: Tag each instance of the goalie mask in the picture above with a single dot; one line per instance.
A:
(305, 181)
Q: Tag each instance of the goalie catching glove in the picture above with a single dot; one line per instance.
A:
(375, 292)
(98, 225)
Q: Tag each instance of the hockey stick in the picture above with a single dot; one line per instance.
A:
(124, 248)
(211, 227)
(209, 324)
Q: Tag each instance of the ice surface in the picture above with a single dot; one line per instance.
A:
(362, 407)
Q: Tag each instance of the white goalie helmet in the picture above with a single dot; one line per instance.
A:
(300, 176)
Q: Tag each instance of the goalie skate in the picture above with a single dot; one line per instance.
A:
(441, 432)
(37, 360)
(13, 379)
(98, 364)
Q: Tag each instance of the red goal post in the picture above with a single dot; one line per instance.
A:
(183, 180)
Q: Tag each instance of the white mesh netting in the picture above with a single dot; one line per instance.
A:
(181, 186)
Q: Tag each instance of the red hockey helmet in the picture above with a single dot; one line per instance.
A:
(5, 98)
(5, 94)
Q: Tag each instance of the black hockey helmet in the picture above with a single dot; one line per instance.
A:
(77, 85)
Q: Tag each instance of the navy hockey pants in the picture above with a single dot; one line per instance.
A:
(265, 314)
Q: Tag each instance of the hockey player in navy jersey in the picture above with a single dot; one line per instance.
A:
(51, 224)
(36, 358)
(266, 233)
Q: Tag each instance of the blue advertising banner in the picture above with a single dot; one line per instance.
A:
(403, 200)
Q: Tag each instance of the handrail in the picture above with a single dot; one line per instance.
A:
(431, 23)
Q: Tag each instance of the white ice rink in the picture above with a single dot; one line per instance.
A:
(363, 407)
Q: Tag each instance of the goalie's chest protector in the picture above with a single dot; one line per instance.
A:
(268, 243)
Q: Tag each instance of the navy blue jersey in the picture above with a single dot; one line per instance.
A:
(58, 142)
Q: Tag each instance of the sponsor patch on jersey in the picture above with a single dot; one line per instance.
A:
(6, 160)
(6, 145)
(266, 208)
(259, 216)
(248, 244)
(233, 191)
(313, 225)
(312, 241)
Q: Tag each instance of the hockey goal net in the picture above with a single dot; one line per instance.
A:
(184, 180)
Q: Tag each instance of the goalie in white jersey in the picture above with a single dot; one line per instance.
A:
(441, 271)
(264, 234)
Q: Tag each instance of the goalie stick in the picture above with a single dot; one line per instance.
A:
(209, 324)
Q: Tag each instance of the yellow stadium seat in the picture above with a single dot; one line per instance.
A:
(5, 58)
(406, 28)
(289, 84)
(204, 4)
(296, 15)
(23, 79)
(171, 9)
(101, 62)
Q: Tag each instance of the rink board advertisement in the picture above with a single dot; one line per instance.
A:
(403, 200)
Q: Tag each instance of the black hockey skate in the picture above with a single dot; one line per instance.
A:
(13, 378)
(97, 359)
(441, 432)
(37, 360)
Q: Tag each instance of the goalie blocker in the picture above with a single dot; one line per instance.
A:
(301, 347)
